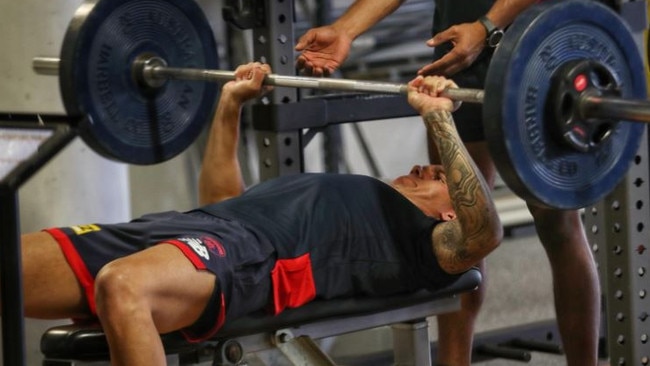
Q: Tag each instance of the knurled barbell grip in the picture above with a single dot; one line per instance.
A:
(457, 94)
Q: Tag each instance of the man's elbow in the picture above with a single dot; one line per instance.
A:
(470, 261)
(210, 194)
(491, 234)
(497, 232)
(476, 249)
(492, 239)
(216, 196)
(492, 243)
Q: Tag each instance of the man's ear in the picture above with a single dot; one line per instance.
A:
(448, 215)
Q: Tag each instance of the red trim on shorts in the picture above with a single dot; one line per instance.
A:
(221, 318)
(293, 283)
(189, 253)
(77, 264)
(200, 265)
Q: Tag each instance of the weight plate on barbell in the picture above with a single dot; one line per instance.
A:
(531, 159)
(123, 120)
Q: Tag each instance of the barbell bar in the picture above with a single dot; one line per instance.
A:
(559, 93)
(154, 70)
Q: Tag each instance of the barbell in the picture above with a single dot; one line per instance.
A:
(561, 91)
(152, 72)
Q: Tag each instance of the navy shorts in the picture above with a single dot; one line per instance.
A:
(241, 262)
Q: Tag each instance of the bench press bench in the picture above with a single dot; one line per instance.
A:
(292, 331)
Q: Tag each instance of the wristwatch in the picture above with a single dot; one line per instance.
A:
(494, 34)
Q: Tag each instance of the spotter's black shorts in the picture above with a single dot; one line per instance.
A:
(469, 117)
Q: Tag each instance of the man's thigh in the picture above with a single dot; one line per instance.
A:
(51, 290)
(176, 292)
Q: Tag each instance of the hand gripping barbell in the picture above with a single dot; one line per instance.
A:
(560, 91)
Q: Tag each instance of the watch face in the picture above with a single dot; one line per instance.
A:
(495, 38)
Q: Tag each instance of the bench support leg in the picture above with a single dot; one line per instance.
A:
(411, 346)
(301, 350)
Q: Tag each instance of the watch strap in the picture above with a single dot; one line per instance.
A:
(488, 25)
(491, 31)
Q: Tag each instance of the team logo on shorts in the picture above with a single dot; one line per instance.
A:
(204, 245)
(85, 229)
(214, 246)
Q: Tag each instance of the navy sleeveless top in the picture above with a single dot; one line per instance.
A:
(363, 236)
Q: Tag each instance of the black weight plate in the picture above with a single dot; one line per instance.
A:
(124, 122)
(531, 159)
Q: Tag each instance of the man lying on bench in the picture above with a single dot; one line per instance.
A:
(278, 245)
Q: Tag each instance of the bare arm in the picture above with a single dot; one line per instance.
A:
(325, 48)
(504, 12)
(363, 14)
(469, 38)
(476, 231)
(220, 177)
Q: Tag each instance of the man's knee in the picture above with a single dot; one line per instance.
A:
(118, 291)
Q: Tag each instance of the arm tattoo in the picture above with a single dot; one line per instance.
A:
(461, 240)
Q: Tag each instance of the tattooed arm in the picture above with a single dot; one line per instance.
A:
(461, 243)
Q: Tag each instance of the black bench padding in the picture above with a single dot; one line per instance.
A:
(88, 342)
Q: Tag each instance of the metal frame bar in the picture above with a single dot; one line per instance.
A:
(13, 328)
(11, 285)
(280, 153)
(618, 229)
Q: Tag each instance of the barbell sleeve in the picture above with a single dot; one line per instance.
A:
(46, 65)
(615, 108)
(154, 70)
